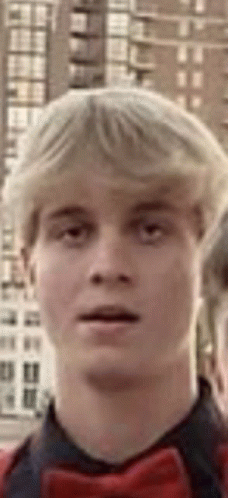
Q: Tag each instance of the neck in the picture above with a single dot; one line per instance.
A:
(114, 427)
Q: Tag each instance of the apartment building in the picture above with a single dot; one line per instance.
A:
(180, 48)
(25, 360)
(25, 357)
(90, 45)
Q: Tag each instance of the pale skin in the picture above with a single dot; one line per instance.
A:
(118, 393)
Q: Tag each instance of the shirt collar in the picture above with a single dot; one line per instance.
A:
(51, 445)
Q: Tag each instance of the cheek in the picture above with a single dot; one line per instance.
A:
(171, 278)
(56, 282)
(170, 290)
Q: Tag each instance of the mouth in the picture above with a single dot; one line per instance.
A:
(110, 314)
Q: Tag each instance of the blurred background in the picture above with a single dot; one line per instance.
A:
(178, 47)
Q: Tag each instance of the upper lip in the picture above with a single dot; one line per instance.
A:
(109, 312)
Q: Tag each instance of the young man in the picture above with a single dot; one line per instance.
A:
(214, 359)
(115, 195)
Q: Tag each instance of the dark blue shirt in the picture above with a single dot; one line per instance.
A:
(196, 438)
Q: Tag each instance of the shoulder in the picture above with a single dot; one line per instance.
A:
(7, 459)
(10, 461)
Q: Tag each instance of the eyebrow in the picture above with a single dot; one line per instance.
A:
(153, 206)
(78, 210)
(66, 211)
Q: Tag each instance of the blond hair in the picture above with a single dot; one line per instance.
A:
(121, 133)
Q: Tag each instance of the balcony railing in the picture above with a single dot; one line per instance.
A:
(142, 39)
(145, 15)
(142, 66)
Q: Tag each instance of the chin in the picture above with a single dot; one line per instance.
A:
(112, 375)
(110, 380)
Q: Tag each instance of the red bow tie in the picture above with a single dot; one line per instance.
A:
(161, 475)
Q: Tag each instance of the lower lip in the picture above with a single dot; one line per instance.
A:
(109, 328)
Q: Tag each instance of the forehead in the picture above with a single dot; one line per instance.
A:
(93, 192)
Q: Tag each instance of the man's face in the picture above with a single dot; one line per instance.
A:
(116, 278)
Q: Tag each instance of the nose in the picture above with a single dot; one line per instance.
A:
(112, 263)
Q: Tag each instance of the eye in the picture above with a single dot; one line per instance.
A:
(76, 235)
(150, 232)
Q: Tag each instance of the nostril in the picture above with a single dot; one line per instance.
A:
(96, 279)
(123, 278)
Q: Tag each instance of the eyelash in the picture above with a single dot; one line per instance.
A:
(156, 225)
(60, 234)
(135, 226)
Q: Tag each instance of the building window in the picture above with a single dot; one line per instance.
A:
(137, 29)
(24, 40)
(184, 28)
(20, 39)
(197, 79)
(117, 25)
(6, 270)
(3, 342)
(31, 372)
(77, 71)
(115, 73)
(200, 6)
(181, 79)
(27, 343)
(7, 342)
(33, 343)
(26, 92)
(199, 24)
(182, 54)
(118, 4)
(29, 398)
(6, 371)
(196, 102)
(117, 49)
(12, 342)
(198, 53)
(79, 47)
(32, 318)
(37, 344)
(8, 317)
(19, 14)
(181, 100)
(7, 235)
(26, 66)
(78, 22)
(10, 401)
(41, 15)
(18, 117)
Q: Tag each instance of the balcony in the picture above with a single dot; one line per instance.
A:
(142, 60)
(85, 52)
(145, 15)
(145, 67)
(87, 5)
(142, 39)
(85, 76)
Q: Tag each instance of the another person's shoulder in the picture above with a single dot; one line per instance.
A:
(13, 460)
(7, 459)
